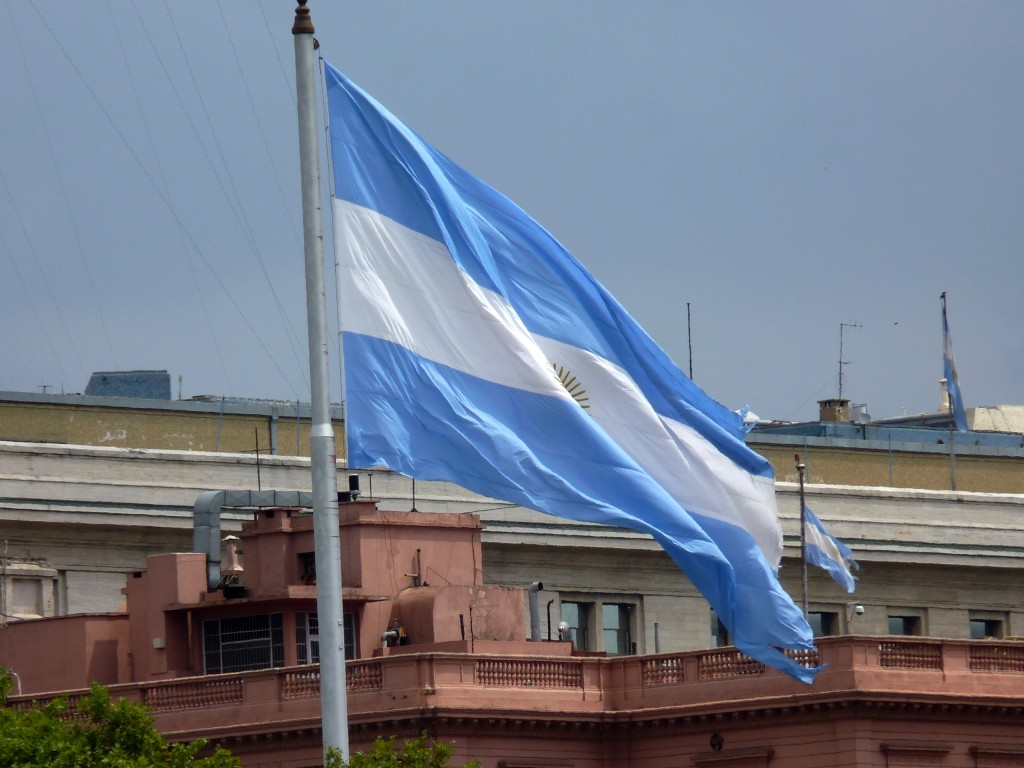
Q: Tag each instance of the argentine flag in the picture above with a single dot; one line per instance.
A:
(826, 551)
(478, 351)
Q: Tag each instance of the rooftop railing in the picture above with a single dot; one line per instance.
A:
(899, 665)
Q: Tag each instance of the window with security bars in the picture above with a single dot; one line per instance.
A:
(307, 637)
(243, 643)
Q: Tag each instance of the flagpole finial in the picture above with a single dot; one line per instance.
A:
(303, 22)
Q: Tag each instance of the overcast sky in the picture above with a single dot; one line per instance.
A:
(783, 168)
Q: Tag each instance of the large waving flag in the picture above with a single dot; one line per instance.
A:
(478, 351)
(826, 551)
(956, 402)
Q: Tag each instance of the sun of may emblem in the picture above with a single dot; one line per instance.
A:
(572, 386)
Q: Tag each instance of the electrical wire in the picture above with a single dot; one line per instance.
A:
(214, 336)
(46, 283)
(79, 250)
(163, 198)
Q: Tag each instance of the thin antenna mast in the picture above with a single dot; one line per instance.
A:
(841, 361)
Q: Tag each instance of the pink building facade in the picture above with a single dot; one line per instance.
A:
(433, 648)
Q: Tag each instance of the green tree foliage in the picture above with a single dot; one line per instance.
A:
(416, 753)
(102, 733)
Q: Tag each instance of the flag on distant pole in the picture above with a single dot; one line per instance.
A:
(826, 551)
(478, 351)
(956, 403)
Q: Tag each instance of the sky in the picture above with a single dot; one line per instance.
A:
(757, 183)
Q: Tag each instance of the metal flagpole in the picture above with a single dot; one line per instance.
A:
(800, 467)
(323, 458)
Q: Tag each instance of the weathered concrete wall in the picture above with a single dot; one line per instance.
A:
(183, 426)
(94, 513)
(862, 465)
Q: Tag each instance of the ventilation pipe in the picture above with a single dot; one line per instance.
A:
(206, 519)
(234, 566)
(533, 589)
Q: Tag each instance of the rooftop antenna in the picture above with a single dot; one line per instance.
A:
(842, 362)
(256, 450)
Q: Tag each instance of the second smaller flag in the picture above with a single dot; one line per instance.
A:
(826, 551)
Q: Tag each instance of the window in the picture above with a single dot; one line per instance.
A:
(616, 620)
(606, 623)
(986, 626)
(26, 597)
(904, 625)
(307, 568)
(719, 634)
(349, 623)
(28, 591)
(823, 622)
(577, 615)
(307, 637)
(243, 643)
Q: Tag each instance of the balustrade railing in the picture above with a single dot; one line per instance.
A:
(721, 664)
(70, 711)
(912, 654)
(803, 657)
(560, 673)
(665, 670)
(194, 694)
(364, 676)
(996, 658)
(529, 673)
(301, 684)
(304, 683)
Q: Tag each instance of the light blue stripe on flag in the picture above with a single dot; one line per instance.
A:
(479, 352)
(826, 551)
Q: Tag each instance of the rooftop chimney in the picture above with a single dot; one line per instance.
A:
(834, 409)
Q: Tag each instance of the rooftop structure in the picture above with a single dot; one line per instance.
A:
(432, 648)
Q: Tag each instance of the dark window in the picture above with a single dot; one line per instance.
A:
(719, 634)
(823, 622)
(904, 625)
(982, 628)
(349, 621)
(243, 643)
(307, 567)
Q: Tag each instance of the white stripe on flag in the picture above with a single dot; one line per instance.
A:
(425, 303)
